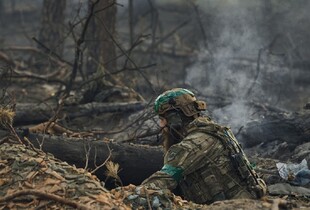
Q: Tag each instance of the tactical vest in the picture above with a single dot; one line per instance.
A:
(223, 172)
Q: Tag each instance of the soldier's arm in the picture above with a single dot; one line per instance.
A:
(171, 172)
(160, 180)
(177, 159)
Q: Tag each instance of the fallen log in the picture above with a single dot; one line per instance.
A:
(284, 137)
(292, 128)
(273, 133)
(30, 113)
(136, 162)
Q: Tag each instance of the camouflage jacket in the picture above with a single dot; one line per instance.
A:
(207, 165)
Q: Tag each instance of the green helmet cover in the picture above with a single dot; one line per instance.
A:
(171, 94)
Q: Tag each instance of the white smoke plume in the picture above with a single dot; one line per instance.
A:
(214, 73)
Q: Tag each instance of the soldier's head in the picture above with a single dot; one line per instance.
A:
(176, 108)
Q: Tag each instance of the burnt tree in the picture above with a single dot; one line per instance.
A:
(100, 48)
(2, 11)
(100, 45)
(52, 25)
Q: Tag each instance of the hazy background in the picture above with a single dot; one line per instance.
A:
(234, 54)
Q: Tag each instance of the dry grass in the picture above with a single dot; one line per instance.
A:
(112, 170)
(6, 118)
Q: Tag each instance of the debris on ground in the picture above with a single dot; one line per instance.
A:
(296, 174)
(30, 178)
(33, 179)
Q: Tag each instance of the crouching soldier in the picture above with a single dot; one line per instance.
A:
(203, 159)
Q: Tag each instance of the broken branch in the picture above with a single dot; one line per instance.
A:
(44, 195)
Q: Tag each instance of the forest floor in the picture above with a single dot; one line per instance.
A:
(31, 178)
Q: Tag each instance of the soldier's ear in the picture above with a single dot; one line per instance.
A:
(162, 122)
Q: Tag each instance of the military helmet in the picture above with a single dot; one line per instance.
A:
(178, 99)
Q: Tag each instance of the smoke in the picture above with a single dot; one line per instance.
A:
(236, 30)
(236, 36)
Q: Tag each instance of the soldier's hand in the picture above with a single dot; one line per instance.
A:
(145, 197)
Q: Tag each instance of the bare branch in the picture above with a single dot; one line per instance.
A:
(80, 41)
(203, 32)
(87, 149)
(257, 72)
(30, 75)
(260, 51)
(170, 34)
(50, 52)
(44, 195)
(128, 57)
(102, 164)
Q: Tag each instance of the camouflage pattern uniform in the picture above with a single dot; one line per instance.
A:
(208, 165)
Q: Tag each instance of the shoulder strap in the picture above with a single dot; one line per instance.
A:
(203, 124)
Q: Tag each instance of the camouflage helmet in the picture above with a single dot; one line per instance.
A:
(178, 98)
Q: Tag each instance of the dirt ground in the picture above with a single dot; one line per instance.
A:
(32, 179)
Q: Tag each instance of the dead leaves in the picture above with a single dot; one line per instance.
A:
(22, 170)
(56, 129)
(5, 170)
(6, 117)
(4, 181)
(179, 201)
(103, 199)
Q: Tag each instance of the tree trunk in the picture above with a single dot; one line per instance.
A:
(52, 25)
(131, 21)
(2, 11)
(101, 48)
(268, 20)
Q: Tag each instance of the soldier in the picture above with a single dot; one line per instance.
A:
(203, 159)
